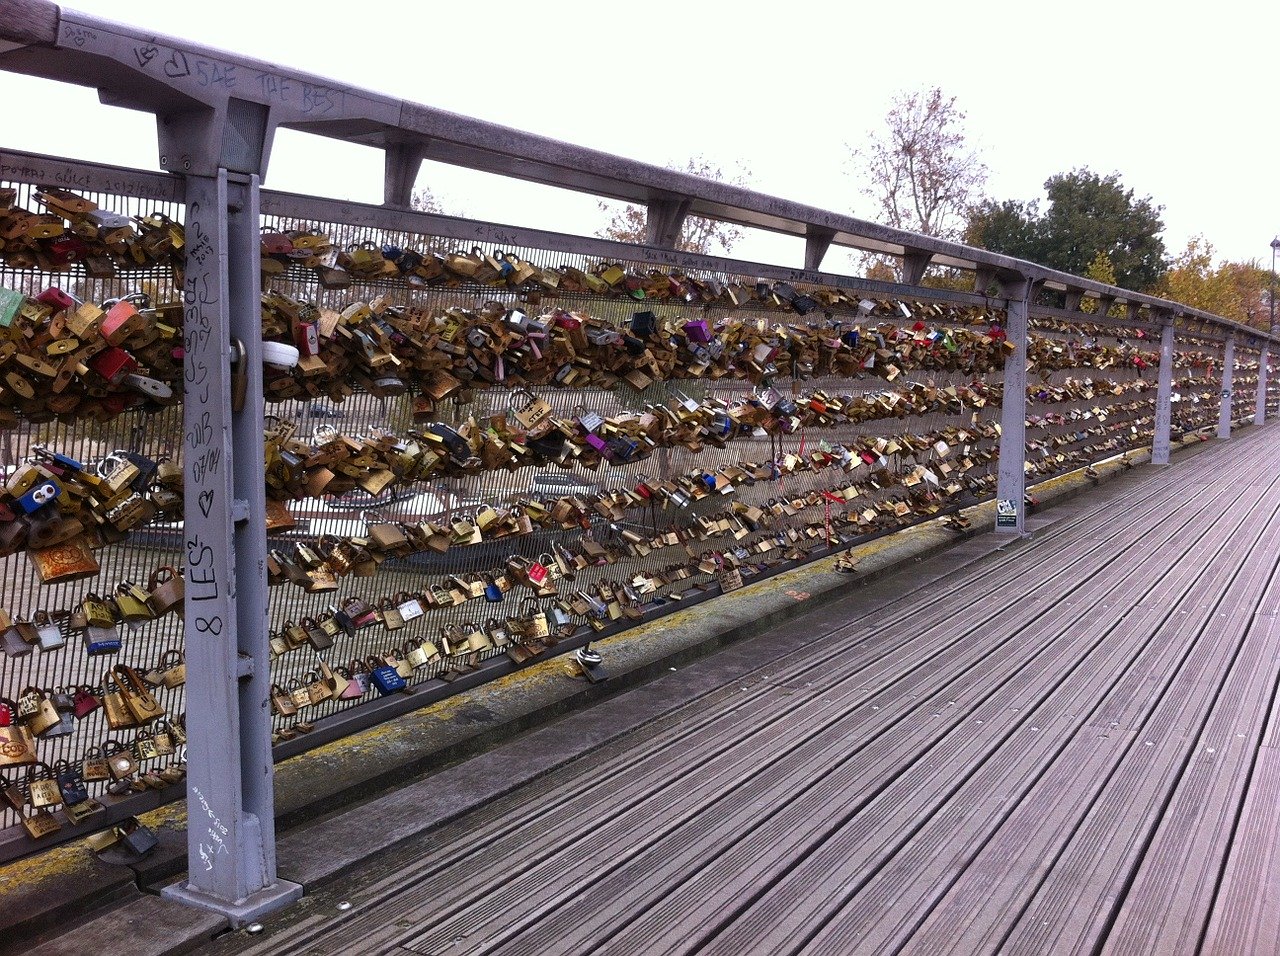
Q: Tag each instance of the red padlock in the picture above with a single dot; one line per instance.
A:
(116, 404)
(306, 335)
(537, 573)
(121, 321)
(55, 297)
(113, 364)
(66, 249)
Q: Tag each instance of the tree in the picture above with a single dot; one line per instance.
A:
(1233, 290)
(1088, 214)
(424, 200)
(697, 234)
(1010, 227)
(920, 170)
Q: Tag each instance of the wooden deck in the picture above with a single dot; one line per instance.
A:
(1065, 748)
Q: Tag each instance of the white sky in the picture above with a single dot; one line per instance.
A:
(1177, 98)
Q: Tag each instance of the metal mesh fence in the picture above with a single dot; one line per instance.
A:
(928, 447)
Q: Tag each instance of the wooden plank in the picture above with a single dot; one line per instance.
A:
(1168, 903)
(1246, 914)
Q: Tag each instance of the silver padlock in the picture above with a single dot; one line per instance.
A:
(48, 633)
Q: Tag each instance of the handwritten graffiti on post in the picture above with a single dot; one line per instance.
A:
(203, 459)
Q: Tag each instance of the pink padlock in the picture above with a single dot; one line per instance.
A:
(56, 298)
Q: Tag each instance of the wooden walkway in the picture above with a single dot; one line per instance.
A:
(1066, 748)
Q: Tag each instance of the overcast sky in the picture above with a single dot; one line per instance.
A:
(1177, 98)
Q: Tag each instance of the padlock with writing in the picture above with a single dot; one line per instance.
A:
(42, 788)
(93, 766)
(102, 640)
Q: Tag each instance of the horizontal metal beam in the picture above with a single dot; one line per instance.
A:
(38, 169)
(172, 77)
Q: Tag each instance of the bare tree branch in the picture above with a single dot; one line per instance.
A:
(922, 173)
(697, 234)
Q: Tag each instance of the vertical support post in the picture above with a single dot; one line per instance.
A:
(817, 241)
(230, 814)
(1228, 367)
(1164, 396)
(914, 264)
(1260, 406)
(664, 220)
(1011, 489)
(401, 164)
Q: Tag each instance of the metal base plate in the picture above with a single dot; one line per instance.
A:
(279, 894)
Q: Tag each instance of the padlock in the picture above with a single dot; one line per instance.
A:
(84, 702)
(298, 693)
(385, 677)
(132, 602)
(416, 653)
(49, 635)
(392, 619)
(317, 637)
(102, 640)
(282, 702)
(36, 710)
(410, 607)
(93, 766)
(136, 838)
(42, 788)
(536, 617)
(144, 747)
(173, 668)
(120, 322)
(492, 592)
(97, 613)
(15, 641)
(113, 364)
(40, 494)
(41, 824)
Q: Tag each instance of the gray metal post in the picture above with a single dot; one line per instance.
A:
(1012, 487)
(1260, 408)
(1164, 396)
(1228, 367)
(230, 814)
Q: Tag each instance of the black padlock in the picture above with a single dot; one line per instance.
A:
(644, 323)
(136, 838)
(70, 783)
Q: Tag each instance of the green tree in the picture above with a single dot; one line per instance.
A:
(1233, 290)
(706, 236)
(1087, 214)
(1010, 227)
(921, 171)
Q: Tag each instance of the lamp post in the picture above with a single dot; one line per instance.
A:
(1275, 244)
(1260, 412)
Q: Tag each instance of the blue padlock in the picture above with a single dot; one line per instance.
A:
(102, 640)
(39, 495)
(492, 593)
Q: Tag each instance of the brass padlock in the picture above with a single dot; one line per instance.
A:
(97, 612)
(42, 789)
(132, 602)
